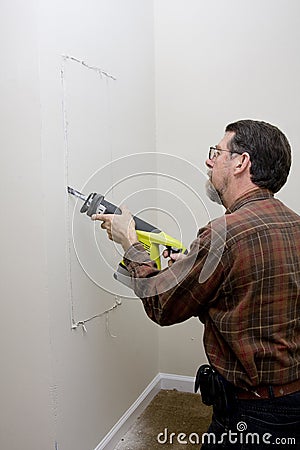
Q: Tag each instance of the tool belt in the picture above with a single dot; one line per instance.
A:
(212, 388)
(271, 391)
(216, 391)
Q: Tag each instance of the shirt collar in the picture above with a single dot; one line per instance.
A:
(251, 196)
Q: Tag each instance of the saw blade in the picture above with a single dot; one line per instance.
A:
(77, 193)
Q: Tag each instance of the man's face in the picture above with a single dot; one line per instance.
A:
(219, 170)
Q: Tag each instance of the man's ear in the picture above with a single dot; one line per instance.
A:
(242, 162)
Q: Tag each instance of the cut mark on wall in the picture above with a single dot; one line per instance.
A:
(103, 74)
(96, 69)
(82, 323)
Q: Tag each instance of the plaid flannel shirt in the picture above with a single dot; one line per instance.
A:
(248, 297)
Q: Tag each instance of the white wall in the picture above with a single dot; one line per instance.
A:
(64, 389)
(25, 418)
(97, 376)
(217, 62)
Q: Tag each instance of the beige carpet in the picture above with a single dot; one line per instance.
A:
(169, 412)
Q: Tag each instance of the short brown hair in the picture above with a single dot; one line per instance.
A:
(269, 151)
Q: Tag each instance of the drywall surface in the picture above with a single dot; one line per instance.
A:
(97, 96)
(26, 418)
(218, 62)
(67, 121)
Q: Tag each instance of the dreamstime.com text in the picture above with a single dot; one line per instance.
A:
(231, 437)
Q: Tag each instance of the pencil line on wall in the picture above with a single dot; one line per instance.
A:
(79, 323)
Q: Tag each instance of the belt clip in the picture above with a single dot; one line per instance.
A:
(256, 394)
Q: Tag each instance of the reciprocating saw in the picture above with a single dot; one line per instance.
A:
(148, 235)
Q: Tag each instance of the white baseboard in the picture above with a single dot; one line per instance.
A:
(161, 381)
(180, 382)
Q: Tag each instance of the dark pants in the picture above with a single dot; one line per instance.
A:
(256, 425)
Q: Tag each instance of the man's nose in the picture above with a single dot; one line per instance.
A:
(209, 163)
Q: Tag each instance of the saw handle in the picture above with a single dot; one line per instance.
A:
(96, 204)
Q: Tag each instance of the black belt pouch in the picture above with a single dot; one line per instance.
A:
(212, 388)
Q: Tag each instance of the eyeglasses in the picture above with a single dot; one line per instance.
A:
(214, 152)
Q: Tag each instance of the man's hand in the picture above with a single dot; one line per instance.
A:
(173, 257)
(120, 227)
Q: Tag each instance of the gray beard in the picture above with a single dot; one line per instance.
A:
(211, 191)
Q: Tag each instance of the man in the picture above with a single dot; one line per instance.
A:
(249, 302)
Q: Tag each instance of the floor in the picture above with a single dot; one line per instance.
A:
(173, 420)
